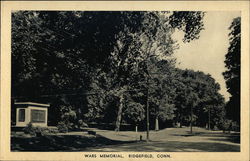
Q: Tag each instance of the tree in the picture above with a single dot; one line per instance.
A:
(190, 22)
(159, 43)
(198, 98)
(134, 112)
(161, 92)
(232, 74)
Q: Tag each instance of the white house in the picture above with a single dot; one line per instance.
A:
(27, 112)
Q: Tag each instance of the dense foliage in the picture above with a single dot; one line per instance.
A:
(106, 67)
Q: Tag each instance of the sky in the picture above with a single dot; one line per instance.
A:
(207, 54)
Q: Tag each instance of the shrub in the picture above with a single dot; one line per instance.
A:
(82, 124)
(226, 125)
(235, 126)
(29, 129)
(53, 130)
(215, 128)
(229, 125)
(38, 131)
(62, 127)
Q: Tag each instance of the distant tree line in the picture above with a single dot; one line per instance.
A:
(106, 67)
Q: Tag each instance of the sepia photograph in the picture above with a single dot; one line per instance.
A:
(124, 81)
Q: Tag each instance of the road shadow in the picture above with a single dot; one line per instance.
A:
(170, 146)
(60, 143)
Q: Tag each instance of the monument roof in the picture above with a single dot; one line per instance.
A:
(32, 104)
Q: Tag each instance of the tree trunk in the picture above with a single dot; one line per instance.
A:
(119, 114)
(180, 120)
(78, 118)
(209, 119)
(156, 124)
(191, 122)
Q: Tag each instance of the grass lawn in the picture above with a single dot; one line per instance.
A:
(166, 140)
(75, 141)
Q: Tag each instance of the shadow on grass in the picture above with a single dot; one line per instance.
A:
(231, 138)
(170, 146)
(60, 143)
(216, 136)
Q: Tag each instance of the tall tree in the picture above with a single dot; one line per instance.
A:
(232, 74)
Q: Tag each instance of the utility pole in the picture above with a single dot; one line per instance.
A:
(147, 104)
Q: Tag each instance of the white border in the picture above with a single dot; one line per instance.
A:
(8, 6)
